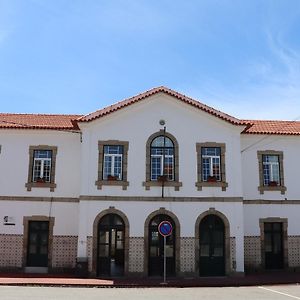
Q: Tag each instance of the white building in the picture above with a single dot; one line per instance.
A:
(94, 188)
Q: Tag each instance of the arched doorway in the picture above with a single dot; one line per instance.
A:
(211, 246)
(110, 246)
(156, 247)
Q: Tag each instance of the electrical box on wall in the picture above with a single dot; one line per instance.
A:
(8, 220)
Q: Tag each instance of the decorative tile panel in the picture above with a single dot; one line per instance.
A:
(294, 251)
(136, 254)
(252, 250)
(89, 252)
(64, 251)
(233, 253)
(187, 255)
(11, 251)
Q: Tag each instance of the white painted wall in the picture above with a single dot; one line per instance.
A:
(66, 215)
(290, 146)
(252, 214)
(137, 122)
(14, 162)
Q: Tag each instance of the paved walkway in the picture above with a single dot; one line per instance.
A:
(68, 280)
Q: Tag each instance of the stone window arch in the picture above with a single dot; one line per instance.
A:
(175, 177)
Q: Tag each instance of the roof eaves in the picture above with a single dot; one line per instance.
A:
(107, 110)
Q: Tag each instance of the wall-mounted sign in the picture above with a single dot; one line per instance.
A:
(8, 220)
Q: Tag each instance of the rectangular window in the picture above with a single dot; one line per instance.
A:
(42, 162)
(211, 163)
(271, 170)
(162, 163)
(113, 162)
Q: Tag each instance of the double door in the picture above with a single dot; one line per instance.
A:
(38, 240)
(110, 260)
(156, 248)
(273, 245)
(212, 242)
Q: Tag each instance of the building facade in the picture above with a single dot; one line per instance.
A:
(94, 188)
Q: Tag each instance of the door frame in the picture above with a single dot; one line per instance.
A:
(108, 211)
(162, 211)
(284, 222)
(26, 220)
(227, 255)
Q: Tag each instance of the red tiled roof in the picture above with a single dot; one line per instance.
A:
(38, 121)
(272, 127)
(69, 122)
(107, 110)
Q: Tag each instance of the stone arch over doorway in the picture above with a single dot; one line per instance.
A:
(103, 213)
(162, 211)
(212, 211)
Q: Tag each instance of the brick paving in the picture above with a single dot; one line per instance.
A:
(69, 280)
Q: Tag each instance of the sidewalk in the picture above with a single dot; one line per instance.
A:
(61, 280)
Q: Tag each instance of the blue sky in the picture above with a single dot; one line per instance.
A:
(71, 56)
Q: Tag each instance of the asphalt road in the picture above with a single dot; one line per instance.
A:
(234, 293)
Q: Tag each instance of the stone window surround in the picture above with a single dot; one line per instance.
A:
(200, 184)
(26, 220)
(162, 211)
(30, 184)
(262, 188)
(284, 222)
(100, 182)
(110, 210)
(175, 183)
(212, 211)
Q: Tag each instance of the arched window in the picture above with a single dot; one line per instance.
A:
(162, 159)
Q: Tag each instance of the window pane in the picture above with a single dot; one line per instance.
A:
(113, 149)
(156, 169)
(271, 158)
(169, 165)
(107, 166)
(42, 154)
(271, 175)
(117, 170)
(37, 170)
(266, 170)
(211, 151)
(205, 169)
(159, 142)
(275, 173)
(216, 167)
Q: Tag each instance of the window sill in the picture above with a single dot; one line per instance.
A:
(175, 184)
(221, 184)
(31, 185)
(123, 184)
(269, 188)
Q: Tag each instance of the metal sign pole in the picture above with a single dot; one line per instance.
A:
(165, 259)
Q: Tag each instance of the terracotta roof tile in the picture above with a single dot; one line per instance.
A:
(107, 110)
(70, 122)
(38, 121)
(272, 127)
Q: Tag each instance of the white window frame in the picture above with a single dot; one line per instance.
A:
(211, 169)
(162, 164)
(270, 165)
(113, 156)
(42, 170)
